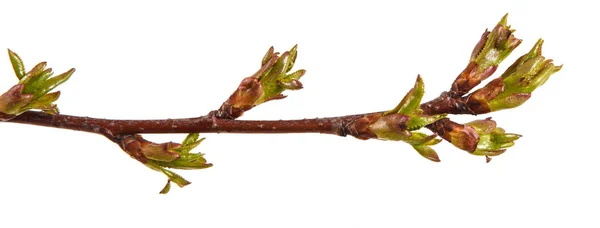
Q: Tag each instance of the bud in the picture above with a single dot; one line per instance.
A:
(401, 123)
(493, 47)
(493, 140)
(515, 86)
(266, 84)
(275, 75)
(159, 156)
(13, 101)
(33, 89)
(462, 136)
(528, 73)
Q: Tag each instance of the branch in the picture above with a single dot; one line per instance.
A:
(206, 124)
(275, 75)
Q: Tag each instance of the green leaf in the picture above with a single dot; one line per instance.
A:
(187, 147)
(274, 77)
(53, 82)
(292, 84)
(191, 138)
(411, 100)
(268, 55)
(277, 68)
(296, 75)
(427, 152)
(33, 73)
(44, 103)
(188, 161)
(180, 181)
(31, 87)
(291, 59)
(17, 64)
(167, 188)
(418, 121)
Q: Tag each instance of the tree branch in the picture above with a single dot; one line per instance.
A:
(206, 124)
(479, 137)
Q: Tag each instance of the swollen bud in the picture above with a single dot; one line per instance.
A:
(159, 156)
(495, 46)
(493, 140)
(528, 73)
(401, 123)
(33, 89)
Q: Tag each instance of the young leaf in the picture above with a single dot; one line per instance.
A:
(53, 82)
(17, 64)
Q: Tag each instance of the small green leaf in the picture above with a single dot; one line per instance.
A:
(33, 73)
(419, 139)
(291, 59)
(292, 84)
(295, 75)
(187, 162)
(53, 82)
(277, 68)
(167, 188)
(428, 153)
(44, 102)
(17, 64)
(180, 181)
(411, 100)
(191, 138)
(32, 85)
(268, 55)
(418, 121)
(186, 148)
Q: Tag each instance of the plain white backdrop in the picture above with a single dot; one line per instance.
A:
(149, 59)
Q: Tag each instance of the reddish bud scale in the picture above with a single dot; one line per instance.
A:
(359, 128)
(243, 99)
(469, 78)
(12, 100)
(132, 146)
(462, 136)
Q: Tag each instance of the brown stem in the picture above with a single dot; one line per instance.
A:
(342, 125)
(206, 124)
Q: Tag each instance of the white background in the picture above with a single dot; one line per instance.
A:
(149, 59)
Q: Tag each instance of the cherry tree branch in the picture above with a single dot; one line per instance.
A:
(275, 75)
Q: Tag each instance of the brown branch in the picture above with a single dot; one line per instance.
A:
(479, 137)
(111, 128)
(207, 124)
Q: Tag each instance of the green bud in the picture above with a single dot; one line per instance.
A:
(167, 155)
(411, 100)
(401, 123)
(33, 89)
(528, 73)
(274, 75)
(493, 140)
(185, 159)
(266, 84)
(410, 106)
(495, 45)
(13, 100)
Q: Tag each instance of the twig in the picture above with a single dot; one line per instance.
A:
(479, 137)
